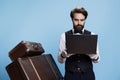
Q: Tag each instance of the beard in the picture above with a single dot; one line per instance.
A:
(78, 28)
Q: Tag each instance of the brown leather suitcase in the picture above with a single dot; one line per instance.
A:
(26, 48)
(42, 67)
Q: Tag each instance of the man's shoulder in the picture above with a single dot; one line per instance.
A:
(69, 31)
(89, 32)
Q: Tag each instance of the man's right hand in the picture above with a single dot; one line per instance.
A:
(64, 54)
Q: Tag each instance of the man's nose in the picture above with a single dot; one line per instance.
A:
(79, 22)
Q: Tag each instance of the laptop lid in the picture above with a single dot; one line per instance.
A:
(81, 44)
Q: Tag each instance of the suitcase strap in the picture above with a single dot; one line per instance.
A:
(34, 68)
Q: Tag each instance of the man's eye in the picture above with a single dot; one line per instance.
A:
(76, 19)
(82, 19)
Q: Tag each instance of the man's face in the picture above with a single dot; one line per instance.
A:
(78, 21)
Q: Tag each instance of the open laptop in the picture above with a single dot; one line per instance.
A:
(81, 44)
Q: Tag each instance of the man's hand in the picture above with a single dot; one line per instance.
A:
(95, 60)
(64, 54)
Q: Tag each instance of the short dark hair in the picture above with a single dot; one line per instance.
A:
(79, 10)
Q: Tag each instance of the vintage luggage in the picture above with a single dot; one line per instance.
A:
(26, 48)
(41, 67)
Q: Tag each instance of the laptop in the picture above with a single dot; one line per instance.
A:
(81, 44)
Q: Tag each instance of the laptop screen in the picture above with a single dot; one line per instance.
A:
(81, 44)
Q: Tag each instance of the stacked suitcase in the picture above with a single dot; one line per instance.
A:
(29, 63)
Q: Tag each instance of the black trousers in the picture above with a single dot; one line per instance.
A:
(89, 75)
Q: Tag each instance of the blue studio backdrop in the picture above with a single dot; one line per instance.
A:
(45, 20)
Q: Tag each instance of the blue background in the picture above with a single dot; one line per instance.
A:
(45, 20)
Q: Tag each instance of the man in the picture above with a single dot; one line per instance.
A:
(77, 66)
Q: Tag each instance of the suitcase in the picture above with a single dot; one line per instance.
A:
(42, 67)
(26, 48)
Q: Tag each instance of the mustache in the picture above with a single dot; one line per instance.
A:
(79, 25)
